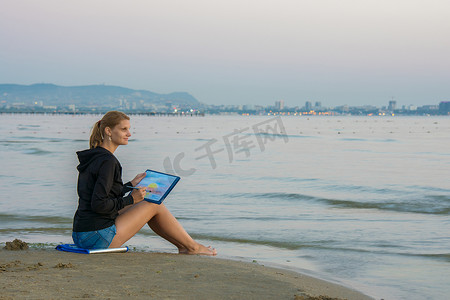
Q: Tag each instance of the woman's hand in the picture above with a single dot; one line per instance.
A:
(138, 195)
(138, 178)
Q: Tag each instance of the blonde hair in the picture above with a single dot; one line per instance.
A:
(110, 119)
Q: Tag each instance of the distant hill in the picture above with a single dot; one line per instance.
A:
(91, 95)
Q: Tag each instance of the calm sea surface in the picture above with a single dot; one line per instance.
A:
(362, 201)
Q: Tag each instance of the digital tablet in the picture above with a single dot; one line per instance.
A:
(158, 185)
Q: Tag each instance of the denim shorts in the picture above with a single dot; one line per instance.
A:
(99, 239)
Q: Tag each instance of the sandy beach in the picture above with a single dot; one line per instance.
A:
(51, 274)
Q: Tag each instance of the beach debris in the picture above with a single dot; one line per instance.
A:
(16, 245)
(19, 266)
(35, 266)
(63, 266)
(7, 266)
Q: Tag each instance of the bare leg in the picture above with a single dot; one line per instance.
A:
(157, 227)
(160, 231)
(168, 227)
(158, 217)
(125, 209)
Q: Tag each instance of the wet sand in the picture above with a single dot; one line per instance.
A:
(51, 274)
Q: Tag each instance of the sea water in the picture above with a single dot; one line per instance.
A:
(361, 201)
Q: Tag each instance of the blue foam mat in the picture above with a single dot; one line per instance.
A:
(75, 249)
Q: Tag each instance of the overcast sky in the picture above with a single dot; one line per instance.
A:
(235, 51)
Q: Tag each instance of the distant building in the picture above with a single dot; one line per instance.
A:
(444, 107)
(343, 108)
(279, 105)
(430, 107)
(392, 105)
(308, 105)
(248, 107)
(318, 104)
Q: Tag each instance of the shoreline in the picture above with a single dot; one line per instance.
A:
(45, 273)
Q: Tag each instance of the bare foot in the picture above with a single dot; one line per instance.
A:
(199, 249)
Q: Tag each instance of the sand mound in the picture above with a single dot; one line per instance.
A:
(16, 245)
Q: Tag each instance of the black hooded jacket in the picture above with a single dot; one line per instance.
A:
(100, 190)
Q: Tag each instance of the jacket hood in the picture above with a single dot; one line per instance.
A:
(87, 156)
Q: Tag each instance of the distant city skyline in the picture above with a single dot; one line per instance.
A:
(50, 98)
(235, 52)
(16, 95)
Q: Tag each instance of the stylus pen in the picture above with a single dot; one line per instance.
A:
(132, 187)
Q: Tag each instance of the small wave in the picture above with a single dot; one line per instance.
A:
(428, 189)
(353, 140)
(362, 188)
(36, 151)
(26, 129)
(280, 135)
(7, 142)
(46, 139)
(300, 136)
(287, 179)
(35, 219)
(318, 245)
(432, 204)
(22, 127)
(443, 257)
(287, 196)
(29, 125)
(276, 244)
(43, 246)
(34, 230)
(386, 140)
(437, 205)
(32, 140)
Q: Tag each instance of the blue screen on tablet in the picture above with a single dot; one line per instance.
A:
(158, 185)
